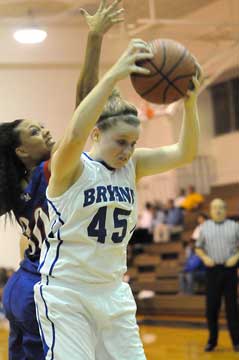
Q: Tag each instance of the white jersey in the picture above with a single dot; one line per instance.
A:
(91, 225)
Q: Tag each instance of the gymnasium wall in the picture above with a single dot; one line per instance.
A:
(48, 96)
(221, 151)
(39, 83)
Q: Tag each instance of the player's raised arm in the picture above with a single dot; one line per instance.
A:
(98, 24)
(154, 161)
(65, 161)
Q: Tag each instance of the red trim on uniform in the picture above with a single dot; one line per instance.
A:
(46, 170)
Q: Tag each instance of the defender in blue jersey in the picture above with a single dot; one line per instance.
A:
(32, 215)
(25, 148)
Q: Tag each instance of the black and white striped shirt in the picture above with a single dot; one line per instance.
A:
(219, 240)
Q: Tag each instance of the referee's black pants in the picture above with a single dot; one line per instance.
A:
(222, 281)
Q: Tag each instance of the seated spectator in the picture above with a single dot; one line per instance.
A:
(193, 200)
(3, 280)
(173, 223)
(142, 233)
(158, 215)
(192, 273)
(202, 217)
(10, 272)
(146, 217)
(178, 201)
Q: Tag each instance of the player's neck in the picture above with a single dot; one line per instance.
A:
(94, 155)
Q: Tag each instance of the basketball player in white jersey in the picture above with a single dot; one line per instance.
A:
(86, 311)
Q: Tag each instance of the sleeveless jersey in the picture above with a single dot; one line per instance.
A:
(91, 225)
(32, 215)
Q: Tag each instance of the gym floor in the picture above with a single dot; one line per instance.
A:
(166, 342)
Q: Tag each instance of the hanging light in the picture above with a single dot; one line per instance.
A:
(30, 36)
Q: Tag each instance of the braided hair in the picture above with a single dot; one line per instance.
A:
(12, 170)
(117, 109)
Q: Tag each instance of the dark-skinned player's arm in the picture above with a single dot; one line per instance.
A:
(86, 116)
(99, 23)
(24, 243)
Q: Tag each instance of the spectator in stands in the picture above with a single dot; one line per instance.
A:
(202, 217)
(146, 217)
(3, 281)
(193, 272)
(173, 223)
(158, 215)
(218, 247)
(193, 200)
(142, 233)
(10, 272)
(178, 201)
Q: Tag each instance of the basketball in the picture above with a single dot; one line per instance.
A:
(172, 69)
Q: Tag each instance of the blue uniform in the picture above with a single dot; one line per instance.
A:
(18, 298)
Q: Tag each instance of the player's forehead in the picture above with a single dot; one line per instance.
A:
(125, 130)
(27, 124)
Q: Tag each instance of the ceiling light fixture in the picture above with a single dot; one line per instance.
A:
(30, 36)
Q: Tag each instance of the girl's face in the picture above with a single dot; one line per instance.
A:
(36, 142)
(116, 145)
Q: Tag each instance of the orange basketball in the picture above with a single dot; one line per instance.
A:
(172, 69)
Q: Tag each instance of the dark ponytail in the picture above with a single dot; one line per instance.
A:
(12, 170)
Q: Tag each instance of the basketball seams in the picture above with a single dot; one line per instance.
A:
(165, 76)
(157, 70)
(180, 77)
(172, 68)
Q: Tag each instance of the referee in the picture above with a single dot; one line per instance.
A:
(218, 247)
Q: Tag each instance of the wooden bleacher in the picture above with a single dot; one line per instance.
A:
(185, 305)
(157, 269)
(171, 250)
(173, 305)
